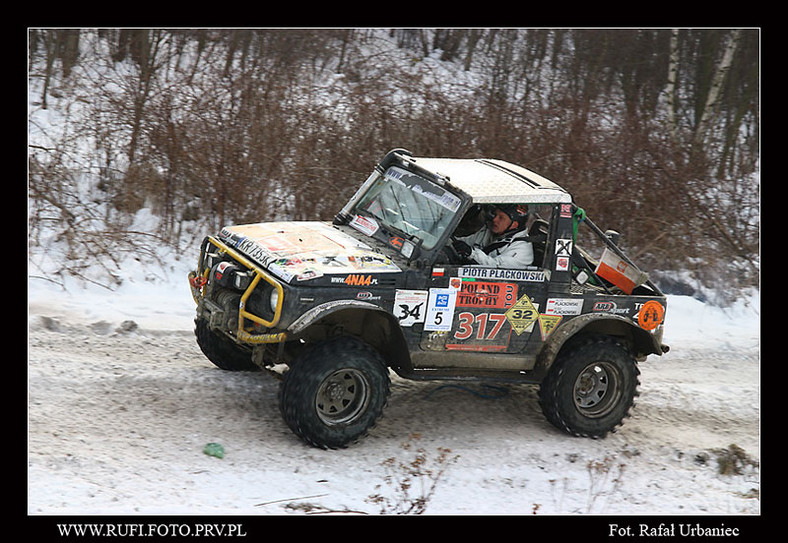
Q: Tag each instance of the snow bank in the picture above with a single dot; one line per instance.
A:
(697, 325)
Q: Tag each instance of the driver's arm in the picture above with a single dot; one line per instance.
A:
(516, 255)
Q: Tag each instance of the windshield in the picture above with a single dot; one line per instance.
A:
(410, 203)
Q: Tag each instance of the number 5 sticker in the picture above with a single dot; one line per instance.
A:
(440, 309)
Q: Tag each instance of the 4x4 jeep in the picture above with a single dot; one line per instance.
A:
(334, 307)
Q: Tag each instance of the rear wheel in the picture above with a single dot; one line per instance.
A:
(590, 388)
(334, 393)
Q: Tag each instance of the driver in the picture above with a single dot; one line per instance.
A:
(502, 242)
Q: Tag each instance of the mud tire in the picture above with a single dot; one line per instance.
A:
(590, 387)
(334, 393)
(221, 351)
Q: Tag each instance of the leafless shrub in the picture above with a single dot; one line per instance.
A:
(258, 124)
(412, 482)
(605, 478)
(734, 460)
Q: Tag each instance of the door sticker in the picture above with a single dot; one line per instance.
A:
(474, 272)
(410, 306)
(484, 326)
(482, 332)
(487, 295)
(522, 315)
(440, 309)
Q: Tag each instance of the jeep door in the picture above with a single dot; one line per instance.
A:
(477, 309)
(485, 316)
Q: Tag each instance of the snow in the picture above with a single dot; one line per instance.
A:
(118, 416)
(121, 404)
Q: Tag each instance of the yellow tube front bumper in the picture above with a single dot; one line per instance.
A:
(197, 281)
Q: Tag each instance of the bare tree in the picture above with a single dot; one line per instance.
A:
(655, 131)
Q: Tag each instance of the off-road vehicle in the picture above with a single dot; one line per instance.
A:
(333, 307)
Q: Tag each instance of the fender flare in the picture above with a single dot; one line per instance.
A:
(639, 341)
(392, 345)
(323, 310)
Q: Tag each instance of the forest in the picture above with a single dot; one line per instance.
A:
(654, 131)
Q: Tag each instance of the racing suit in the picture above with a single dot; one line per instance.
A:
(509, 250)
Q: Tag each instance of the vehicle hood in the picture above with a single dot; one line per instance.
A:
(305, 250)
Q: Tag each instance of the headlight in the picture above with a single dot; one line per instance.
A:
(274, 300)
(241, 280)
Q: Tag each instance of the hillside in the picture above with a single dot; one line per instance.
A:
(654, 132)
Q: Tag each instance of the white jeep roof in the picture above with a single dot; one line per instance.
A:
(490, 181)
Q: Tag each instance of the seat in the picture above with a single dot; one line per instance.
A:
(537, 235)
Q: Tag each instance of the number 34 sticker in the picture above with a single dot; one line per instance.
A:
(410, 306)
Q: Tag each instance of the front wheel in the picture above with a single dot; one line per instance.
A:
(334, 393)
(590, 388)
(221, 351)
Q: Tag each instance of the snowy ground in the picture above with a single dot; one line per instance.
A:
(119, 414)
